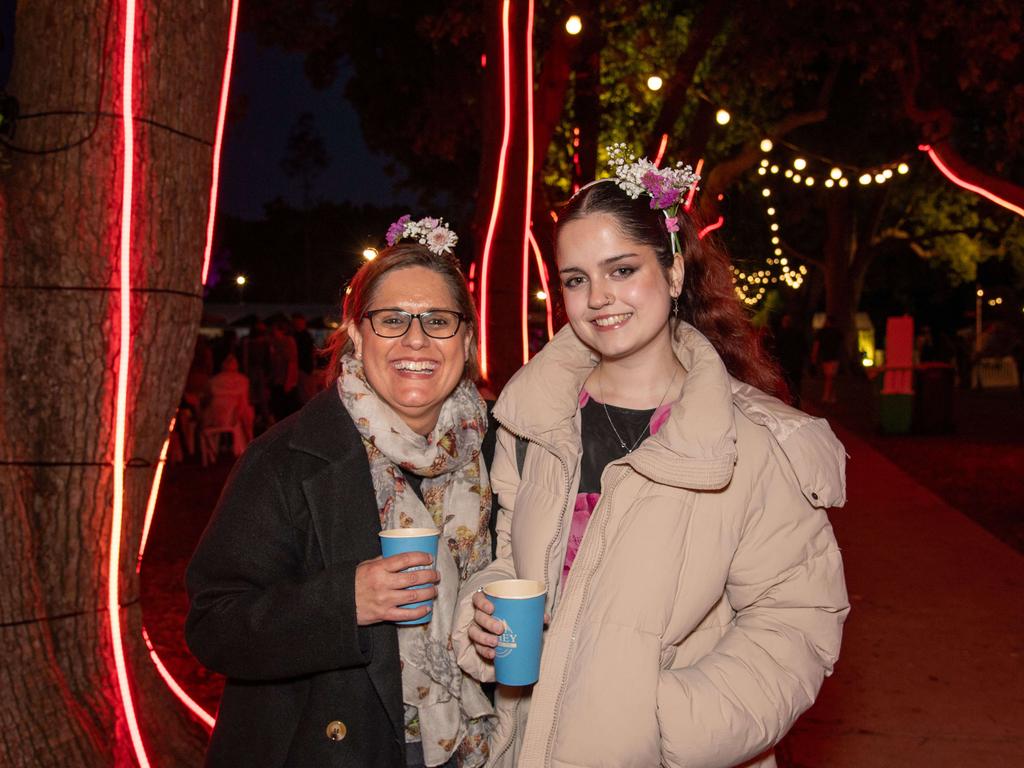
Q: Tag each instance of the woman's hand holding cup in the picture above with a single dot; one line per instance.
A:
(485, 630)
(382, 586)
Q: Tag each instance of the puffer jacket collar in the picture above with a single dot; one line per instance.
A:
(695, 448)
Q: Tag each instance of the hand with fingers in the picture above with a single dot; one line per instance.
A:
(485, 629)
(381, 588)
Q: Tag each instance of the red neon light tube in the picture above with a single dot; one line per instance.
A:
(154, 493)
(205, 717)
(528, 213)
(987, 194)
(661, 150)
(121, 407)
(485, 261)
(711, 228)
(693, 190)
(225, 85)
(543, 271)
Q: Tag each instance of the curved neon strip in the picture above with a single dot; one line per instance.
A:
(528, 213)
(124, 354)
(154, 492)
(176, 689)
(661, 150)
(693, 190)
(485, 261)
(225, 85)
(543, 270)
(987, 194)
(711, 228)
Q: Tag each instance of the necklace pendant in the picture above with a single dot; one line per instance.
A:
(623, 444)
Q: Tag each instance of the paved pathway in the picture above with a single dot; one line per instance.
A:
(932, 666)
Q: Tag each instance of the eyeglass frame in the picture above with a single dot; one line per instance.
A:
(369, 314)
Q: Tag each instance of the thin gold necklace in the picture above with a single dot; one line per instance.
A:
(622, 443)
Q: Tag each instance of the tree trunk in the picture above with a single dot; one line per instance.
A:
(501, 307)
(706, 27)
(59, 259)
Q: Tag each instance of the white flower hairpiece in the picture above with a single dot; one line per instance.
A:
(665, 186)
(428, 231)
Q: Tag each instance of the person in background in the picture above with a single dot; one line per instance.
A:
(673, 508)
(284, 370)
(306, 349)
(791, 351)
(228, 399)
(290, 598)
(256, 365)
(826, 353)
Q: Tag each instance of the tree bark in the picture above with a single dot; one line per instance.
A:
(504, 279)
(59, 255)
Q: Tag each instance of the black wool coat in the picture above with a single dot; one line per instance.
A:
(272, 590)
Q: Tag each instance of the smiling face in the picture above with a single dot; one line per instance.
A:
(414, 373)
(616, 294)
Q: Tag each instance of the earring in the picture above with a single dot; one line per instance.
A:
(675, 307)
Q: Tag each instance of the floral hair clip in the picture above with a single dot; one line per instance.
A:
(431, 232)
(665, 186)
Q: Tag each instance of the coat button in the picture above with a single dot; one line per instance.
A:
(814, 496)
(336, 730)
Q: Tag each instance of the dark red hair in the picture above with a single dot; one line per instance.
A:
(708, 301)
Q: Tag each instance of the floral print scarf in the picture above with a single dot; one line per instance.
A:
(445, 708)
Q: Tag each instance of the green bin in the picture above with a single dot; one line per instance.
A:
(895, 414)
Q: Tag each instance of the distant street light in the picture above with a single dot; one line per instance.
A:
(541, 295)
(574, 25)
(722, 117)
(654, 83)
(240, 281)
(370, 254)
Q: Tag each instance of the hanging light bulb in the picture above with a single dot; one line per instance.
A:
(865, 179)
(902, 168)
(836, 173)
(799, 163)
(829, 183)
(766, 145)
(722, 117)
(574, 25)
(654, 83)
(843, 182)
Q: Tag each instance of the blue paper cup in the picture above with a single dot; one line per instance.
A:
(395, 541)
(519, 606)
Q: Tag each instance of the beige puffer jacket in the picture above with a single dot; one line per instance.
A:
(706, 601)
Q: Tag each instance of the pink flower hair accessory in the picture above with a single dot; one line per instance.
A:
(429, 231)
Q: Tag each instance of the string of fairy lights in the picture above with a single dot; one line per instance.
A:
(752, 285)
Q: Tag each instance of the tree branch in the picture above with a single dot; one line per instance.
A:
(725, 173)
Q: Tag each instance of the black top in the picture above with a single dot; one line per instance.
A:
(600, 445)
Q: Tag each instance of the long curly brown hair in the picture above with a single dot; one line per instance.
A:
(708, 300)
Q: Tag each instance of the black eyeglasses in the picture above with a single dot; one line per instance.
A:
(437, 323)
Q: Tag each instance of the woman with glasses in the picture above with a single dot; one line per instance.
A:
(290, 598)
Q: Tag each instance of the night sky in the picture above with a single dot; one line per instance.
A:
(269, 91)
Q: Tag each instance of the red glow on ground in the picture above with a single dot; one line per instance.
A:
(225, 85)
(123, 359)
(693, 190)
(190, 703)
(499, 183)
(661, 150)
(711, 228)
(949, 174)
(528, 213)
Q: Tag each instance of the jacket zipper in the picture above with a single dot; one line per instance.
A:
(547, 560)
(576, 626)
